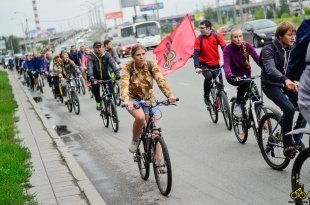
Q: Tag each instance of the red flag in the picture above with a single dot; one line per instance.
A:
(173, 51)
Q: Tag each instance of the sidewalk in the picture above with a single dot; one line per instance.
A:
(56, 176)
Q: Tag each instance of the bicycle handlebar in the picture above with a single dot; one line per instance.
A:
(157, 103)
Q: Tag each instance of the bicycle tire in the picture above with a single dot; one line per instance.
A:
(297, 173)
(266, 125)
(40, 85)
(82, 82)
(69, 102)
(90, 92)
(164, 184)
(104, 114)
(225, 110)
(242, 137)
(212, 109)
(142, 160)
(75, 103)
(113, 116)
(117, 94)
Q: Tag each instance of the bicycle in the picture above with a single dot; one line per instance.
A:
(38, 81)
(300, 171)
(219, 100)
(150, 142)
(73, 99)
(251, 114)
(270, 139)
(108, 112)
(80, 82)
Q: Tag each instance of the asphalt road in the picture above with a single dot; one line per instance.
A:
(209, 165)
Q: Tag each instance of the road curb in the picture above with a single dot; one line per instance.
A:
(83, 181)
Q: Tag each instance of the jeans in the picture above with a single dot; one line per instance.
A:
(286, 101)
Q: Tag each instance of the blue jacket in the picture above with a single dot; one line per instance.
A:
(37, 64)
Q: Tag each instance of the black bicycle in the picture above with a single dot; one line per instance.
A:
(108, 112)
(219, 100)
(252, 108)
(300, 178)
(153, 149)
(73, 99)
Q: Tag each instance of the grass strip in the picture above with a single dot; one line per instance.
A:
(15, 168)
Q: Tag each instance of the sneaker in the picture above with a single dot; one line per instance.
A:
(98, 106)
(207, 100)
(237, 111)
(161, 166)
(300, 147)
(289, 152)
(134, 146)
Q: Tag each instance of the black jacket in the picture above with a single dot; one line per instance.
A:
(101, 71)
(274, 61)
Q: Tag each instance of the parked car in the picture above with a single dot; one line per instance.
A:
(259, 32)
(124, 46)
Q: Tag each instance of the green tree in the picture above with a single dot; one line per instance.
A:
(210, 14)
(259, 13)
(283, 8)
(12, 41)
(270, 14)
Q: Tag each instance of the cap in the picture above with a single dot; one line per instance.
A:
(97, 44)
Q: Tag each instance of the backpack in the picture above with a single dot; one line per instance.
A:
(149, 66)
(215, 36)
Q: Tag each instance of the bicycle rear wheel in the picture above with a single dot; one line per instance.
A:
(75, 103)
(113, 116)
(141, 157)
(105, 113)
(300, 176)
(270, 141)
(225, 110)
(162, 170)
(239, 125)
(212, 109)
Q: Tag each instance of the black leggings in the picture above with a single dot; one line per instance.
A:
(96, 90)
(56, 85)
(243, 85)
(208, 79)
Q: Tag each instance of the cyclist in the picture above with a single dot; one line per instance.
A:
(56, 74)
(37, 66)
(107, 44)
(274, 62)
(73, 55)
(206, 55)
(138, 86)
(98, 63)
(237, 64)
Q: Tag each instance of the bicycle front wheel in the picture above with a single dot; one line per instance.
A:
(69, 102)
(90, 92)
(300, 176)
(82, 84)
(104, 113)
(113, 116)
(225, 110)
(270, 141)
(162, 167)
(239, 125)
(75, 103)
(212, 109)
(143, 160)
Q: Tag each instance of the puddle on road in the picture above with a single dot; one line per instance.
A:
(61, 130)
(37, 99)
(47, 116)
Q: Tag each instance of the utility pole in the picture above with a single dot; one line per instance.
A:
(219, 18)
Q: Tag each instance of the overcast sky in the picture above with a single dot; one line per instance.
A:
(59, 13)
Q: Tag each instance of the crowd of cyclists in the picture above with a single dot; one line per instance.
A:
(277, 61)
